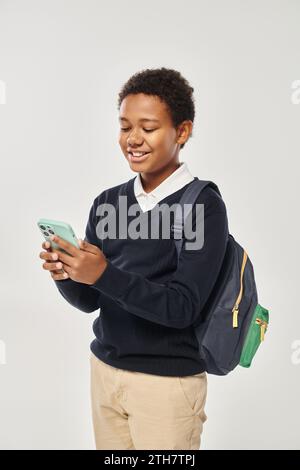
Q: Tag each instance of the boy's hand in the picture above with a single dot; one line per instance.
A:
(84, 264)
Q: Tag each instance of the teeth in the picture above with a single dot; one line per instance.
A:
(138, 154)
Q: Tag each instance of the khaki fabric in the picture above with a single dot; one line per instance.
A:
(133, 410)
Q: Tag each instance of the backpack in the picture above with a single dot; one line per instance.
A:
(232, 323)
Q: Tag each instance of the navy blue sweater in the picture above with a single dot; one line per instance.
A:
(147, 303)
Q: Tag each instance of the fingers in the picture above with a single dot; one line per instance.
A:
(59, 276)
(64, 257)
(52, 264)
(46, 246)
(55, 268)
(46, 255)
(55, 255)
(68, 247)
(86, 246)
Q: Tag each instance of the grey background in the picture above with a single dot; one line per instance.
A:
(63, 63)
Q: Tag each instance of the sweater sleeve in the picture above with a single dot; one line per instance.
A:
(176, 303)
(82, 296)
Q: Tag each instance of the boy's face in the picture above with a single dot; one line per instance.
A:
(157, 136)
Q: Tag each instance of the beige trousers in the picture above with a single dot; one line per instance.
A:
(133, 410)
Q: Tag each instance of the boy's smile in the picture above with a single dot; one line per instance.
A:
(146, 128)
(137, 157)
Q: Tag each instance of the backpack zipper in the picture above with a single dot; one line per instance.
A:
(263, 327)
(235, 310)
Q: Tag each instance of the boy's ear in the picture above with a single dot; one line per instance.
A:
(184, 131)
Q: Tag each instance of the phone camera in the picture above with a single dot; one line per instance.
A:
(46, 233)
(51, 231)
(42, 227)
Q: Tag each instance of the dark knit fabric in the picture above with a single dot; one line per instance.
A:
(147, 303)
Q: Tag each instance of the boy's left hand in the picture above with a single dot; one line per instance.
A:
(85, 264)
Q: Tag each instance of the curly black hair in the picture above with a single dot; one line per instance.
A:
(170, 86)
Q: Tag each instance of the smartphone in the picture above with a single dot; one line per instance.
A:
(50, 227)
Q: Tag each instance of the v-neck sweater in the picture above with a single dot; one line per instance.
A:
(149, 300)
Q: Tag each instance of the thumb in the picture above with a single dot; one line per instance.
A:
(86, 246)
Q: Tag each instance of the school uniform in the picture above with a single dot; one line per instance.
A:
(148, 384)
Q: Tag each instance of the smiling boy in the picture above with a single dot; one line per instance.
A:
(148, 384)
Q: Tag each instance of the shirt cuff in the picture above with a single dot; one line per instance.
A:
(113, 281)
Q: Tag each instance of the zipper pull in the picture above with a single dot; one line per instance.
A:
(235, 313)
(263, 327)
(262, 332)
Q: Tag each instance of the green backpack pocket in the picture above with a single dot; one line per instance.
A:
(256, 332)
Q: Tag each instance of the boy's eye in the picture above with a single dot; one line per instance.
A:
(146, 130)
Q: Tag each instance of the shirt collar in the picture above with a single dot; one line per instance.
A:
(179, 178)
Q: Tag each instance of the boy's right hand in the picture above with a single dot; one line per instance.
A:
(52, 263)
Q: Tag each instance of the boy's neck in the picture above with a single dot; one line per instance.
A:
(150, 181)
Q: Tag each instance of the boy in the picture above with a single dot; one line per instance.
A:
(148, 384)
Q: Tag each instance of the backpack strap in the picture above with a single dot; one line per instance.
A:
(189, 196)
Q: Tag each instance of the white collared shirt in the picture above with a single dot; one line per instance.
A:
(171, 184)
